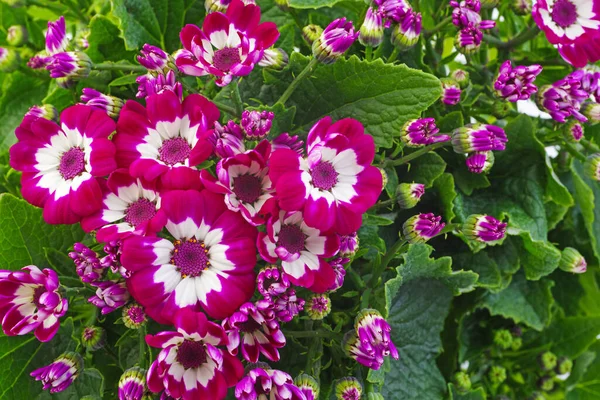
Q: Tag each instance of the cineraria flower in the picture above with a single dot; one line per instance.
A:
(228, 45)
(70, 64)
(256, 124)
(572, 25)
(109, 104)
(275, 59)
(227, 140)
(285, 141)
(348, 388)
(166, 139)
(409, 194)
(286, 306)
(483, 228)
(47, 111)
(271, 281)
(572, 261)
(592, 112)
(559, 103)
(60, 163)
(87, 264)
(31, 302)
(393, 10)
(406, 33)
(253, 328)
(349, 244)
(308, 385)
(370, 343)
(190, 366)
(311, 32)
(112, 258)
(209, 264)
(110, 295)
(421, 132)
(480, 162)
(264, 383)
(573, 131)
(301, 249)
(589, 80)
(371, 31)
(153, 58)
(422, 227)
(516, 83)
(244, 180)
(132, 384)
(318, 306)
(56, 36)
(150, 84)
(133, 316)
(129, 206)
(465, 13)
(478, 137)
(93, 338)
(38, 61)
(468, 39)
(61, 373)
(591, 166)
(450, 91)
(216, 5)
(461, 77)
(340, 273)
(334, 41)
(335, 184)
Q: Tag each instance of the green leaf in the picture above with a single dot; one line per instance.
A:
(482, 265)
(312, 3)
(382, 96)
(283, 119)
(24, 235)
(588, 387)
(444, 186)
(124, 80)
(587, 193)
(380, 220)
(527, 302)
(571, 336)
(59, 97)
(474, 394)
(450, 122)
(105, 43)
(425, 169)
(468, 181)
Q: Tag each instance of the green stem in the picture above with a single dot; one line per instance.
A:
(119, 67)
(389, 255)
(521, 38)
(590, 146)
(142, 337)
(310, 334)
(381, 204)
(288, 92)
(573, 151)
(438, 27)
(369, 53)
(394, 55)
(408, 158)
(237, 98)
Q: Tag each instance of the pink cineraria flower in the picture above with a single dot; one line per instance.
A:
(61, 163)
(228, 139)
(422, 227)
(56, 36)
(87, 264)
(516, 83)
(150, 84)
(271, 281)
(285, 141)
(334, 41)
(228, 44)
(335, 184)
(129, 206)
(256, 124)
(478, 137)
(421, 132)
(244, 180)
(301, 249)
(30, 301)
(572, 25)
(153, 58)
(132, 385)
(166, 139)
(287, 305)
(484, 228)
(110, 295)
(263, 382)
(480, 162)
(61, 373)
(109, 104)
(191, 365)
(370, 342)
(253, 328)
(209, 264)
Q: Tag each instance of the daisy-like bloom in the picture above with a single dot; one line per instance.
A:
(572, 25)
(335, 184)
(285, 141)
(30, 301)
(301, 249)
(573, 131)
(110, 295)
(406, 33)
(311, 32)
(348, 388)
(349, 244)
(228, 44)
(591, 166)
(318, 306)
(468, 39)
(244, 180)
(334, 41)
(134, 316)
(480, 162)
(93, 338)
(153, 58)
(516, 83)
(253, 328)
(190, 365)
(308, 385)
(264, 383)
(572, 261)
(256, 124)
(409, 194)
(450, 91)
(129, 206)
(271, 281)
(370, 342)
(484, 228)
(340, 272)
(371, 31)
(274, 58)
(132, 384)
(209, 264)
(228, 139)
(47, 111)
(422, 227)
(61, 163)
(70, 64)
(166, 139)
(150, 84)
(109, 104)
(56, 36)
(478, 137)
(87, 263)
(59, 375)
(421, 132)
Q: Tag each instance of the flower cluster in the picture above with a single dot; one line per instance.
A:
(466, 17)
(516, 83)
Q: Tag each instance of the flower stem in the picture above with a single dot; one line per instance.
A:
(408, 158)
(237, 98)
(142, 337)
(381, 204)
(389, 255)
(438, 27)
(288, 92)
(394, 55)
(368, 53)
(521, 38)
(119, 67)
(310, 334)
(590, 146)
(573, 151)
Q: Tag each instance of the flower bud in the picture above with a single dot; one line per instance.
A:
(110, 295)
(256, 124)
(70, 64)
(573, 131)
(450, 91)
(132, 384)
(318, 306)
(46, 111)
(468, 40)
(545, 383)
(489, 3)
(65, 83)
(285, 141)
(371, 31)
(384, 178)
(516, 83)
(274, 58)
(503, 339)
(421, 132)
(348, 245)
(9, 60)
(311, 32)
(564, 366)
(501, 109)
(516, 344)
(61, 373)
(592, 112)
(153, 58)
(56, 36)
(409, 194)
(591, 166)
(522, 7)
(461, 77)
(547, 361)
(284, 5)
(484, 228)
(480, 162)
(16, 35)
(134, 316)
(462, 381)
(572, 261)
(109, 104)
(308, 386)
(340, 272)
(334, 41)
(497, 375)
(348, 388)
(93, 338)
(422, 227)
(216, 5)
(406, 33)
(478, 137)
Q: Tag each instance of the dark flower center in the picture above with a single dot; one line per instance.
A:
(136, 315)
(191, 354)
(291, 238)
(174, 151)
(37, 293)
(89, 333)
(564, 13)
(225, 58)
(72, 163)
(190, 257)
(249, 326)
(140, 211)
(324, 176)
(247, 188)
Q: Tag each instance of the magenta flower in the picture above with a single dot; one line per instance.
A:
(69, 64)
(335, 184)
(87, 264)
(166, 139)
(480, 162)
(285, 141)
(334, 41)
(109, 104)
(110, 295)
(61, 373)
(370, 343)
(228, 44)
(408, 195)
(30, 301)
(484, 228)
(190, 364)
(256, 124)
(478, 137)
(272, 384)
(132, 384)
(340, 272)
(450, 91)
(572, 25)
(516, 83)
(301, 249)
(349, 244)
(150, 84)
(133, 316)
(287, 305)
(318, 306)
(421, 132)
(47, 111)
(407, 31)
(371, 31)
(271, 281)
(574, 131)
(469, 39)
(56, 36)
(208, 266)
(422, 227)
(60, 164)
(561, 101)
(153, 58)
(393, 10)
(253, 328)
(228, 139)
(129, 206)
